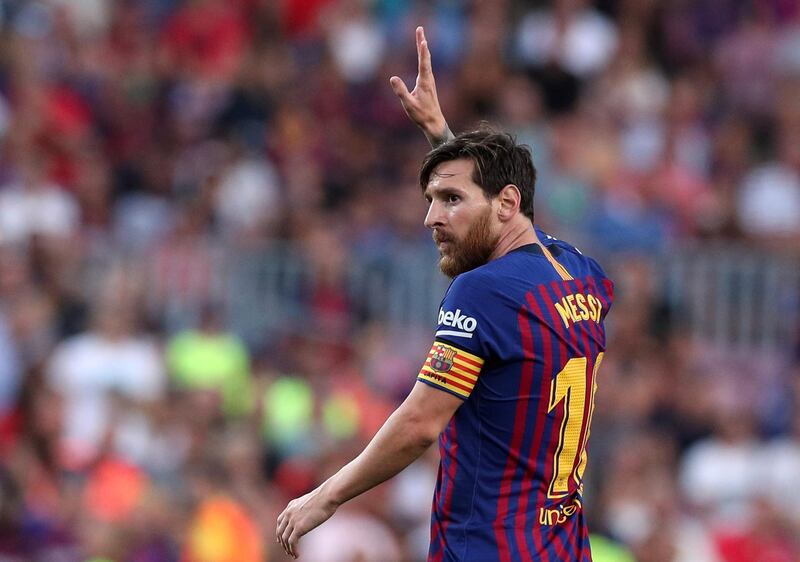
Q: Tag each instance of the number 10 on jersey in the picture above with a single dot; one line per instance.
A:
(569, 387)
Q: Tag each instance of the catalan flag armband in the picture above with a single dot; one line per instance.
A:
(451, 368)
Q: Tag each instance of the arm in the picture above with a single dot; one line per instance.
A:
(408, 433)
(422, 104)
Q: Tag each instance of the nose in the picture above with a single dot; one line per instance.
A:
(435, 217)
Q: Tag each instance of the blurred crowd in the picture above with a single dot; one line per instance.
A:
(139, 137)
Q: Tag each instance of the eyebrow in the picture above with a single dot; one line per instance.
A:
(443, 190)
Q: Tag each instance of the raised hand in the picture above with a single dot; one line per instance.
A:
(422, 104)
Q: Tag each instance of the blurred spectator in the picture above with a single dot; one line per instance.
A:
(351, 536)
(247, 199)
(213, 366)
(288, 406)
(206, 39)
(356, 42)
(31, 205)
(769, 197)
(720, 475)
(745, 59)
(571, 35)
(781, 464)
(107, 377)
(10, 371)
(221, 531)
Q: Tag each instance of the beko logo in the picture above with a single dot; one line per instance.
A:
(464, 324)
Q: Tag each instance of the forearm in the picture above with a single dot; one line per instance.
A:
(400, 441)
(408, 432)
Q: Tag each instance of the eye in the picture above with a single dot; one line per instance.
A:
(452, 198)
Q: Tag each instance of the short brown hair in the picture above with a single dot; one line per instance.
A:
(498, 161)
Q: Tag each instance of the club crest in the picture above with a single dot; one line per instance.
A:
(442, 358)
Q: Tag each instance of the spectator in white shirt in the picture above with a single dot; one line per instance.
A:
(107, 377)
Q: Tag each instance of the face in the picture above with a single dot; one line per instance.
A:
(460, 217)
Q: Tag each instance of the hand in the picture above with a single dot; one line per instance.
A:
(301, 516)
(422, 104)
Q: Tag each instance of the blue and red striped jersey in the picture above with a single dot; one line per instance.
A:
(520, 340)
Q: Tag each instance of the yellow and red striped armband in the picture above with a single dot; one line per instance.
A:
(451, 368)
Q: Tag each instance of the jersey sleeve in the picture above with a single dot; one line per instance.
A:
(459, 350)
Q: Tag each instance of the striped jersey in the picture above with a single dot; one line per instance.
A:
(520, 340)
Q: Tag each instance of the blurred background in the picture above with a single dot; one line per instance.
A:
(215, 284)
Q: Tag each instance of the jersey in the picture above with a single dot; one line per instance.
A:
(520, 340)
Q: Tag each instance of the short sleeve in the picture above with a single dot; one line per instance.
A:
(458, 352)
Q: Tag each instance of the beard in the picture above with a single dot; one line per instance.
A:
(471, 252)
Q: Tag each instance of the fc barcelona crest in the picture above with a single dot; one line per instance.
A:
(442, 358)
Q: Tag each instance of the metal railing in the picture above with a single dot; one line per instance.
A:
(728, 296)
(735, 296)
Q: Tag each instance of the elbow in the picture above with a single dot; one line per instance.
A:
(426, 438)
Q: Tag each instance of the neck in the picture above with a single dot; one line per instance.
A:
(519, 234)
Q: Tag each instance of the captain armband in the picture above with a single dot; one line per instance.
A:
(451, 368)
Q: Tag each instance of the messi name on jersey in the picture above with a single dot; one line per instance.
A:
(578, 307)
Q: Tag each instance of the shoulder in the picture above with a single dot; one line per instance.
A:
(560, 247)
(479, 282)
(470, 301)
(556, 245)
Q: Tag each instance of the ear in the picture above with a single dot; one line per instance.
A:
(509, 200)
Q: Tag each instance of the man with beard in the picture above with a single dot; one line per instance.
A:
(508, 385)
